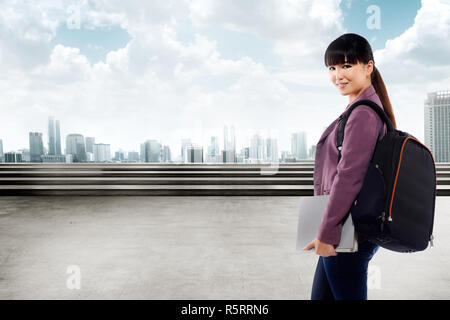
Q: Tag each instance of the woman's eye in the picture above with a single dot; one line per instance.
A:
(330, 68)
(347, 65)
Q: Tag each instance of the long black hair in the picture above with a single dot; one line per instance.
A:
(353, 48)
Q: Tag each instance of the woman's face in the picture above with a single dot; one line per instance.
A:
(351, 79)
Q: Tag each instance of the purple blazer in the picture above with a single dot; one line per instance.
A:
(344, 181)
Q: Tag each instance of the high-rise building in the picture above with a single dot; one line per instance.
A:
(228, 156)
(25, 155)
(36, 147)
(54, 137)
(1, 151)
(256, 148)
(233, 140)
(152, 151)
(271, 150)
(298, 145)
(166, 154)
(213, 148)
(194, 154)
(51, 136)
(102, 152)
(133, 156)
(213, 154)
(142, 155)
(90, 144)
(76, 147)
(184, 144)
(11, 157)
(58, 138)
(245, 153)
(437, 125)
(119, 155)
(229, 146)
(225, 138)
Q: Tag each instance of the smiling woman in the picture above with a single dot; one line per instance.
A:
(352, 70)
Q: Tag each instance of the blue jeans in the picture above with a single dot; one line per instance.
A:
(343, 277)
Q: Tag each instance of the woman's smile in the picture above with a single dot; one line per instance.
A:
(342, 85)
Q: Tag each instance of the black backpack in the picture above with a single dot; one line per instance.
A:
(395, 206)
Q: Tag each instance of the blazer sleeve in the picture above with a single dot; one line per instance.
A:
(360, 138)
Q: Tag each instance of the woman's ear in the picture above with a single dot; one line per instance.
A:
(370, 68)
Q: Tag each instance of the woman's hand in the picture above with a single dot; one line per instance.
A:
(322, 249)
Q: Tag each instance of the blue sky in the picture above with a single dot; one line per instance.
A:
(396, 17)
(93, 43)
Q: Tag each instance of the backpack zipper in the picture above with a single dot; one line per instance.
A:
(398, 170)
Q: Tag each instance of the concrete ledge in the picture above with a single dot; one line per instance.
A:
(173, 179)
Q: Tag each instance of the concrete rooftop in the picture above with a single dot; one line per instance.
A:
(186, 247)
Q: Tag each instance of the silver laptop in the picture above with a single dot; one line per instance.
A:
(311, 213)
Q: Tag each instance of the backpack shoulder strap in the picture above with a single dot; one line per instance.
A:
(344, 117)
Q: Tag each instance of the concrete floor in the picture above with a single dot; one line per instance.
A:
(186, 248)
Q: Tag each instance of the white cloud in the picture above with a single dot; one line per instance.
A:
(421, 53)
(160, 87)
(299, 30)
(66, 65)
(416, 62)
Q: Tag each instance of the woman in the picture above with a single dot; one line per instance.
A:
(352, 71)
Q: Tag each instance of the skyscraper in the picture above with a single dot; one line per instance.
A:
(133, 156)
(1, 151)
(256, 148)
(58, 138)
(36, 147)
(194, 154)
(54, 138)
(184, 144)
(271, 150)
(213, 154)
(437, 125)
(298, 145)
(119, 155)
(76, 147)
(51, 136)
(11, 157)
(90, 144)
(233, 140)
(102, 152)
(166, 154)
(225, 138)
(229, 146)
(152, 149)
(142, 155)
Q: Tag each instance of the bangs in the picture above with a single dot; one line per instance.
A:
(340, 53)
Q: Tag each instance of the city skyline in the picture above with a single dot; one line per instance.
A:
(260, 148)
(84, 149)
